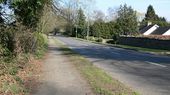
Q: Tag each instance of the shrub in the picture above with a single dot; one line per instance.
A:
(91, 38)
(99, 40)
(41, 44)
(115, 38)
(110, 42)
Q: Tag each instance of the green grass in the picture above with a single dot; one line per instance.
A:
(101, 83)
(141, 49)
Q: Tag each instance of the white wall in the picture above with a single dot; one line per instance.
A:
(151, 30)
(167, 33)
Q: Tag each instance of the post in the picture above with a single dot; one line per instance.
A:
(76, 31)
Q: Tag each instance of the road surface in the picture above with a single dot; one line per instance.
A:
(146, 73)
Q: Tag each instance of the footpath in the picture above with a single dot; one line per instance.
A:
(59, 76)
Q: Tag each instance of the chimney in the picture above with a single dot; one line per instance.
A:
(149, 23)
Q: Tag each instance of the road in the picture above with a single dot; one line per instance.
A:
(146, 73)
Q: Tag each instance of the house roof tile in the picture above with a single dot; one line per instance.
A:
(143, 30)
(160, 31)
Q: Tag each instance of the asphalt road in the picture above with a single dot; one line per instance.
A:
(146, 73)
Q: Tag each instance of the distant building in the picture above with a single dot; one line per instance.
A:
(155, 30)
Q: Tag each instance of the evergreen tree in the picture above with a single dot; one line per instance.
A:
(1, 19)
(127, 23)
(28, 11)
(81, 23)
(103, 29)
(150, 15)
(162, 19)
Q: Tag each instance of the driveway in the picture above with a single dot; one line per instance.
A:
(146, 73)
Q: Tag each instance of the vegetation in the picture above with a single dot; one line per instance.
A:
(102, 30)
(156, 51)
(22, 39)
(101, 83)
(22, 35)
(26, 23)
(152, 17)
(81, 24)
(127, 23)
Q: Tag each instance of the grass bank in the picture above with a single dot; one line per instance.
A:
(19, 75)
(140, 49)
(101, 83)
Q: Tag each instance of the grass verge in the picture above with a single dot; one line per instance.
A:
(140, 49)
(19, 75)
(101, 83)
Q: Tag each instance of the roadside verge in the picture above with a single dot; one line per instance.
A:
(101, 83)
(138, 49)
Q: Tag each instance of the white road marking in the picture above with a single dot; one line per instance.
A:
(156, 64)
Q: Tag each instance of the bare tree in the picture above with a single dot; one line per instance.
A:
(68, 9)
(99, 16)
(112, 15)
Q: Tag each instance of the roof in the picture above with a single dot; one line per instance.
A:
(143, 30)
(160, 31)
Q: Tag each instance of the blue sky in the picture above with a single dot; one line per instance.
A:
(162, 7)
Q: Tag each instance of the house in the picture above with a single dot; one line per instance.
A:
(161, 31)
(149, 29)
(155, 30)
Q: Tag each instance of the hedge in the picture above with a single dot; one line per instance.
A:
(146, 42)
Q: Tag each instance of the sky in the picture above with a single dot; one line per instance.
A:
(162, 7)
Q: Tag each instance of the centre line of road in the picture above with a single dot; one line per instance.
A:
(157, 64)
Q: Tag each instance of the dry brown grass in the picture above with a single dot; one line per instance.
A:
(24, 82)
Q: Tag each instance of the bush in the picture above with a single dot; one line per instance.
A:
(41, 44)
(6, 41)
(115, 38)
(91, 38)
(99, 40)
(110, 42)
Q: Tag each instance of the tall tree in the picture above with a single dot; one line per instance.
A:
(81, 19)
(127, 23)
(163, 19)
(150, 15)
(98, 16)
(1, 19)
(81, 23)
(29, 11)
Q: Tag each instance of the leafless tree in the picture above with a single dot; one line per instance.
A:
(99, 16)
